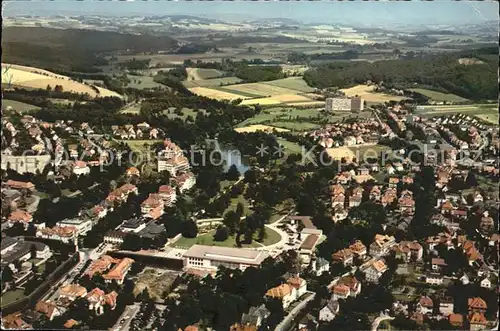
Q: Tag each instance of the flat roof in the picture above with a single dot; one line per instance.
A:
(228, 254)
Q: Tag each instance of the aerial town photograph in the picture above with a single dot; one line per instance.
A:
(250, 165)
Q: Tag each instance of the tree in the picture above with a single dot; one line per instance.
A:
(232, 173)
(231, 221)
(33, 251)
(221, 234)
(7, 275)
(189, 229)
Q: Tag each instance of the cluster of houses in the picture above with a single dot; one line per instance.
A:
(367, 131)
(140, 131)
(425, 308)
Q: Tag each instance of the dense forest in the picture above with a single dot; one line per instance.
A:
(476, 82)
(49, 48)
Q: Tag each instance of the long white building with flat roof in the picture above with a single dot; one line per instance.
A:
(211, 257)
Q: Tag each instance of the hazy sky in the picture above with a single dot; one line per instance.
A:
(382, 12)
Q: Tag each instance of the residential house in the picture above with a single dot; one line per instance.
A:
(153, 201)
(375, 193)
(133, 171)
(477, 305)
(168, 194)
(255, 316)
(98, 299)
(345, 256)
(284, 292)
(185, 181)
(356, 197)
(486, 283)
(409, 251)
(20, 216)
(434, 278)
(417, 317)
(329, 311)
(341, 291)
(477, 321)
(446, 306)
(438, 264)
(119, 271)
(80, 168)
(66, 234)
(22, 186)
(320, 265)
(425, 305)
(353, 284)
(358, 248)
(456, 320)
(375, 271)
(48, 308)
(72, 292)
(15, 321)
(382, 245)
(339, 213)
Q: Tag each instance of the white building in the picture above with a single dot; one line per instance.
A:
(375, 271)
(211, 257)
(328, 312)
(82, 226)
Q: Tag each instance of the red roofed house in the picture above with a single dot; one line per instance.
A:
(14, 321)
(168, 194)
(456, 320)
(16, 185)
(375, 271)
(341, 291)
(81, 168)
(425, 305)
(353, 284)
(185, 181)
(345, 256)
(119, 271)
(477, 305)
(153, 201)
(133, 171)
(20, 216)
(48, 308)
(477, 321)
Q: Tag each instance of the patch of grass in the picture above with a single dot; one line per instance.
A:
(297, 126)
(289, 147)
(17, 106)
(439, 96)
(11, 296)
(143, 82)
(207, 239)
(293, 83)
(234, 203)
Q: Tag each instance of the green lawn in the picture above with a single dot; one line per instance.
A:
(234, 203)
(11, 296)
(139, 146)
(272, 237)
(205, 73)
(290, 147)
(243, 94)
(438, 96)
(143, 82)
(294, 83)
(17, 106)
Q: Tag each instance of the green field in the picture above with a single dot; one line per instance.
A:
(272, 237)
(17, 106)
(486, 112)
(293, 83)
(438, 96)
(290, 147)
(204, 73)
(212, 82)
(11, 296)
(143, 82)
(142, 148)
(242, 93)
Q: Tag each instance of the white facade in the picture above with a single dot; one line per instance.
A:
(82, 226)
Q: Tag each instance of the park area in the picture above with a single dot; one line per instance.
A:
(271, 237)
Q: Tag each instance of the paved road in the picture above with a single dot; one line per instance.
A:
(379, 319)
(286, 323)
(123, 323)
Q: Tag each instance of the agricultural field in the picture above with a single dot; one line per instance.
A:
(143, 82)
(259, 127)
(17, 106)
(438, 96)
(212, 82)
(202, 73)
(366, 92)
(34, 78)
(293, 90)
(294, 68)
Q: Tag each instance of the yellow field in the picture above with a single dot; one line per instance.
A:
(259, 127)
(338, 153)
(278, 99)
(30, 77)
(307, 103)
(366, 92)
(214, 94)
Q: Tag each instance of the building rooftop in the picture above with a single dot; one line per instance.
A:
(228, 254)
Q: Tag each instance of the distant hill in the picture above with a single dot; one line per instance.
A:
(72, 49)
